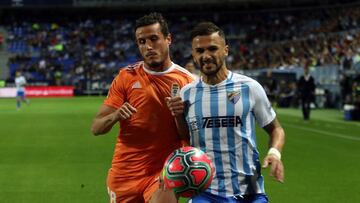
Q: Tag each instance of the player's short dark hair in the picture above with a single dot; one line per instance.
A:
(206, 28)
(153, 18)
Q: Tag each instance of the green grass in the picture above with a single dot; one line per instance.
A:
(47, 154)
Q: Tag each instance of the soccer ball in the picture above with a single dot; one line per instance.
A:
(188, 171)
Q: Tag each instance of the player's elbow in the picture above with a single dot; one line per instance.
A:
(95, 130)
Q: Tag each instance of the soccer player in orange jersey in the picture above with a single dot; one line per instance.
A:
(136, 100)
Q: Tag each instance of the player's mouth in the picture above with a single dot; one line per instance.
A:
(208, 64)
(151, 54)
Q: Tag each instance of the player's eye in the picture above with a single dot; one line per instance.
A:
(200, 51)
(154, 38)
(141, 41)
(213, 48)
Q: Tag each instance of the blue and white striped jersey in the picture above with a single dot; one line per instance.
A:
(221, 120)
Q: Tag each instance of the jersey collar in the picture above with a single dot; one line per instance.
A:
(158, 73)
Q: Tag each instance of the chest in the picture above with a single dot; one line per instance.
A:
(146, 88)
(224, 104)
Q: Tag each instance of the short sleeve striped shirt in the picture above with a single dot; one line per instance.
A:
(221, 120)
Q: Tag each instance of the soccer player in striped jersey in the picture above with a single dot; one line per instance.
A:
(136, 100)
(20, 83)
(219, 111)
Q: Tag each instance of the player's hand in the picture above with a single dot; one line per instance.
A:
(276, 167)
(175, 105)
(124, 112)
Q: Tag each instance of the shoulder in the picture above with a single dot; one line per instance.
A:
(246, 80)
(182, 71)
(191, 85)
(126, 73)
(130, 69)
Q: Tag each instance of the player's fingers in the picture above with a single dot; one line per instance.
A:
(178, 103)
(280, 172)
(176, 99)
(273, 169)
(123, 114)
(126, 111)
(167, 99)
(177, 108)
(265, 163)
(129, 107)
(177, 113)
(173, 100)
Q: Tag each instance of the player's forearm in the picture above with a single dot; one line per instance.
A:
(182, 128)
(277, 139)
(103, 125)
(277, 135)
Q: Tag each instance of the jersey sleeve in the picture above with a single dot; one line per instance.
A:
(262, 109)
(116, 94)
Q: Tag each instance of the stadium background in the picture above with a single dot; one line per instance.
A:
(47, 153)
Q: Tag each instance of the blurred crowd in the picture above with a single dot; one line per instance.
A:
(87, 53)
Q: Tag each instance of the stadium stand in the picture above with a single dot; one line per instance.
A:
(86, 51)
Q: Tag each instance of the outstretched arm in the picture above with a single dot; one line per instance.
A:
(276, 143)
(107, 116)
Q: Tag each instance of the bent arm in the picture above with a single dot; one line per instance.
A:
(276, 143)
(104, 120)
(276, 133)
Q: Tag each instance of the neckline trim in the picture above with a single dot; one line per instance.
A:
(156, 72)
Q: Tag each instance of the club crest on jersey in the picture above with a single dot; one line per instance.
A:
(233, 96)
(175, 89)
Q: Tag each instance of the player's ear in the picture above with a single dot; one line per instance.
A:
(226, 50)
(168, 39)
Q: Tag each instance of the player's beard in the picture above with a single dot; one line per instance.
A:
(158, 63)
(155, 64)
(212, 72)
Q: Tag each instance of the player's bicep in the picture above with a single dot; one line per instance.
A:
(269, 128)
(116, 94)
(104, 110)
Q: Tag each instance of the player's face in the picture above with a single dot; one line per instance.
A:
(153, 45)
(209, 53)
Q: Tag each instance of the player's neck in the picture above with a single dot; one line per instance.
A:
(220, 76)
(161, 68)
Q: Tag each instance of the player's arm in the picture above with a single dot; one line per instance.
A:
(107, 116)
(276, 143)
(177, 106)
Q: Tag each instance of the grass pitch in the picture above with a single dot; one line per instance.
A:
(47, 154)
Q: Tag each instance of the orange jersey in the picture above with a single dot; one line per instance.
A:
(150, 135)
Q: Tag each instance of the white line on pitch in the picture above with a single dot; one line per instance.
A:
(324, 132)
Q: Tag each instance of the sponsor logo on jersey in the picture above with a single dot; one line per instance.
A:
(221, 121)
